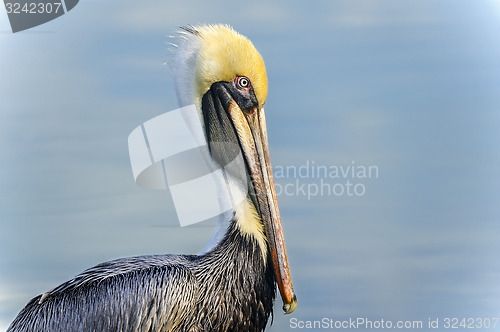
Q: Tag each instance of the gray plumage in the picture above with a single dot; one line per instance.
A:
(229, 289)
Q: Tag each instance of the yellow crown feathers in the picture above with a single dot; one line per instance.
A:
(225, 54)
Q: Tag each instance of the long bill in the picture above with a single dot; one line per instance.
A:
(252, 134)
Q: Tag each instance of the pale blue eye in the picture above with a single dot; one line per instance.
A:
(243, 82)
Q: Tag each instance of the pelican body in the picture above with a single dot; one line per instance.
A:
(231, 286)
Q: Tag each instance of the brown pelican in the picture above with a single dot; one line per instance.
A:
(232, 286)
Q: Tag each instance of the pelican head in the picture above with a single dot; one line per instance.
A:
(222, 73)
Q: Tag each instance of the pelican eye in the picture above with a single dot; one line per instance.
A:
(242, 82)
